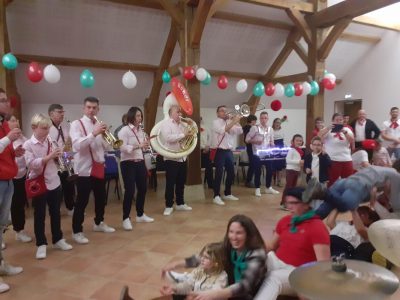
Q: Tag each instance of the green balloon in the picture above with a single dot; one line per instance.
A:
(314, 88)
(207, 81)
(289, 90)
(9, 61)
(166, 78)
(258, 89)
(87, 79)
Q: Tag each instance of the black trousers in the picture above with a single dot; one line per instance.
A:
(250, 169)
(18, 204)
(257, 163)
(52, 199)
(175, 174)
(68, 190)
(134, 173)
(207, 165)
(84, 186)
(224, 159)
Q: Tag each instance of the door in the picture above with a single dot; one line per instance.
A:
(348, 107)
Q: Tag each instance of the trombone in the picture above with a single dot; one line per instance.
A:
(244, 110)
(109, 137)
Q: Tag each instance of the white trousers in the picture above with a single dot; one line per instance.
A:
(277, 281)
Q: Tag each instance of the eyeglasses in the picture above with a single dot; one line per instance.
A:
(292, 202)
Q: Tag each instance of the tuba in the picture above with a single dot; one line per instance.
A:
(110, 138)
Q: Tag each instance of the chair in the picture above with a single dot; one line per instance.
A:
(125, 294)
(111, 173)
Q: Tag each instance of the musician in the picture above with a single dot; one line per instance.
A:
(60, 134)
(87, 142)
(172, 132)
(224, 130)
(133, 167)
(205, 139)
(8, 170)
(262, 138)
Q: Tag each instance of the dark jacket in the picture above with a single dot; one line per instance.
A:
(370, 127)
(324, 164)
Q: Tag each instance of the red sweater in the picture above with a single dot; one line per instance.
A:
(8, 166)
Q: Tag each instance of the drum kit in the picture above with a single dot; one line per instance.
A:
(352, 279)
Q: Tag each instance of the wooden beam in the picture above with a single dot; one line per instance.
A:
(332, 37)
(346, 9)
(79, 62)
(300, 23)
(174, 70)
(154, 4)
(173, 11)
(199, 22)
(283, 4)
(291, 78)
(218, 4)
(301, 52)
(345, 36)
(368, 21)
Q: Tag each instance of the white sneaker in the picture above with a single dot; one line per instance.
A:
(230, 197)
(41, 252)
(144, 219)
(258, 192)
(4, 287)
(168, 211)
(70, 212)
(270, 190)
(23, 237)
(6, 269)
(184, 207)
(217, 200)
(63, 245)
(3, 246)
(126, 224)
(103, 227)
(80, 238)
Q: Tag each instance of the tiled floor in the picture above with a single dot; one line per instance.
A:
(100, 269)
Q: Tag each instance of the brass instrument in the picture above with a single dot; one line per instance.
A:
(187, 142)
(242, 110)
(110, 138)
(64, 163)
(149, 149)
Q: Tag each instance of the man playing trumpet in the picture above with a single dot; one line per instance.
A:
(87, 142)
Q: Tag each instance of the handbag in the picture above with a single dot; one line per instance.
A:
(36, 187)
(213, 151)
(98, 170)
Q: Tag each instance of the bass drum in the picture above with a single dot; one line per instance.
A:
(157, 144)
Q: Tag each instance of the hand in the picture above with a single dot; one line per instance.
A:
(206, 149)
(56, 153)
(166, 290)
(99, 128)
(144, 145)
(204, 295)
(14, 134)
(169, 267)
(236, 118)
(258, 142)
(19, 151)
(308, 171)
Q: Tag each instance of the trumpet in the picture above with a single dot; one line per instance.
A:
(110, 138)
(191, 128)
(242, 110)
(64, 163)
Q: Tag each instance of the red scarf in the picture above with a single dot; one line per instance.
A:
(299, 150)
(394, 125)
(338, 135)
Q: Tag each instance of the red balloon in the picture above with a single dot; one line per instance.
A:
(298, 89)
(222, 82)
(182, 95)
(328, 84)
(269, 89)
(35, 72)
(276, 105)
(368, 144)
(188, 73)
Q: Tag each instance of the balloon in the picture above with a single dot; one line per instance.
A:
(279, 90)
(276, 105)
(182, 95)
(330, 76)
(241, 86)
(328, 84)
(298, 89)
(87, 79)
(9, 61)
(34, 72)
(51, 74)
(222, 82)
(201, 74)
(129, 80)
(188, 73)
(289, 90)
(269, 89)
(314, 88)
(258, 89)
(207, 81)
(166, 78)
(368, 144)
(306, 88)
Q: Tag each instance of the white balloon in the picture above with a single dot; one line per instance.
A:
(306, 88)
(51, 74)
(241, 86)
(201, 74)
(279, 90)
(129, 80)
(331, 76)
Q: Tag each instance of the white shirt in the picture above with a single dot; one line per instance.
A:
(262, 134)
(394, 132)
(205, 137)
(171, 133)
(222, 138)
(315, 165)
(81, 144)
(21, 163)
(130, 148)
(338, 149)
(278, 134)
(360, 131)
(56, 136)
(347, 232)
(359, 158)
(293, 159)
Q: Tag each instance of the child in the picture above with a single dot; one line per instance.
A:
(294, 163)
(279, 141)
(40, 155)
(209, 275)
(317, 163)
(380, 156)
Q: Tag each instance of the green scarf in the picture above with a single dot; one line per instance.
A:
(299, 219)
(239, 264)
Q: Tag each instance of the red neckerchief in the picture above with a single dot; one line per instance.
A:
(394, 125)
(299, 150)
(338, 135)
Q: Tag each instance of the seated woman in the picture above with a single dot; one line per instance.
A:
(244, 262)
(299, 238)
(351, 238)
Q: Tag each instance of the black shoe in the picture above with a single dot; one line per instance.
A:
(314, 191)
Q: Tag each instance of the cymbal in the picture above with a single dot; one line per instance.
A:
(360, 281)
(385, 237)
